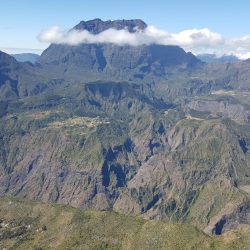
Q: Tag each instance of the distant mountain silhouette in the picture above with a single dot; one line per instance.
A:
(212, 58)
(26, 57)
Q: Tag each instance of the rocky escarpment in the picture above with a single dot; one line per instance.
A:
(96, 26)
(234, 111)
(240, 215)
(103, 61)
(141, 63)
(118, 147)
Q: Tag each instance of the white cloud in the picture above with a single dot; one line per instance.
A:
(195, 40)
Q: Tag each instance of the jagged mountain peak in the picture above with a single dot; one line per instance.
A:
(97, 25)
(111, 58)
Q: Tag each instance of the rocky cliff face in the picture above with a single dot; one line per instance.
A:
(233, 75)
(239, 216)
(117, 147)
(104, 60)
(234, 111)
(97, 25)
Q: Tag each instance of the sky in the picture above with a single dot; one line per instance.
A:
(22, 21)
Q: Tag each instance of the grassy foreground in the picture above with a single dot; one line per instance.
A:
(33, 225)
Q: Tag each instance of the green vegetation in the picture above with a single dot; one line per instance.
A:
(136, 136)
(131, 154)
(31, 225)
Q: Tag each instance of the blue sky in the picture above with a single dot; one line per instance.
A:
(22, 20)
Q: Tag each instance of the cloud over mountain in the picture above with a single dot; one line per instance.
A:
(194, 40)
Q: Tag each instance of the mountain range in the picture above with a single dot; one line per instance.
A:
(26, 57)
(212, 58)
(146, 130)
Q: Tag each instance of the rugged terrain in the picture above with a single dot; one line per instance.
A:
(32, 225)
(146, 130)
